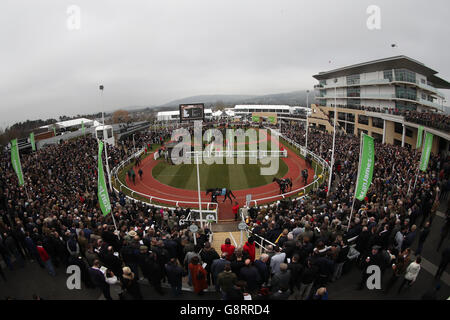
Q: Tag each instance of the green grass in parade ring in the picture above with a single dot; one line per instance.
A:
(234, 176)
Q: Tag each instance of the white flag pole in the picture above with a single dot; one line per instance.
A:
(334, 139)
(199, 197)
(106, 153)
(421, 154)
(356, 184)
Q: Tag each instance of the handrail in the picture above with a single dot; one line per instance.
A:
(318, 159)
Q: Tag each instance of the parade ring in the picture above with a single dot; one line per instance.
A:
(151, 190)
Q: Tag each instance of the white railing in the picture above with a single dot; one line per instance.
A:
(240, 154)
(204, 213)
(211, 207)
(304, 152)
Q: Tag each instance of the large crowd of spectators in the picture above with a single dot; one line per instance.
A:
(59, 224)
(440, 121)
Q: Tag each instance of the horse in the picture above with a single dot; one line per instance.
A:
(227, 193)
(283, 184)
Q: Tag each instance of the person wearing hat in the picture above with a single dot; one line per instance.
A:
(130, 285)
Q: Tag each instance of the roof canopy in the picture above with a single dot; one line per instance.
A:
(397, 62)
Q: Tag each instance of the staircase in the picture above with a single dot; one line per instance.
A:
(223, 230)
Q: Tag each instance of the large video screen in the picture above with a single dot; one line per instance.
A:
(189, 112)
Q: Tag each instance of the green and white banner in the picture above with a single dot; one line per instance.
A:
(103, 196)
(33, 144)
(255, 118)
(15, 159)
(83, 130)
(426, 151)
(271, 119)
(54, 131)
(419, 137)
(365, 170)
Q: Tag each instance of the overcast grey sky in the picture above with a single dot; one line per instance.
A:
(150, 52)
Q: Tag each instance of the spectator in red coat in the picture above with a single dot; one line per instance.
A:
(235, 210)
(249, 248)
(227, 248)
(198, 276)
(46, 259)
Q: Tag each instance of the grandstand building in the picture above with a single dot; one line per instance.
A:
(378, 97)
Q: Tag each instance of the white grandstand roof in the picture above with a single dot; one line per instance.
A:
(218, 113)
(261, 106)
(73, 122)
(168, 113)
(173, 113)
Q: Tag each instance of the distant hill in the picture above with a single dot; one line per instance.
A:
(288, 98)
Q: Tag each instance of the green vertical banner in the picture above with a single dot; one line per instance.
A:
(426, 151)
(365, 170)
(82, 128)
(419, 137)
(33, 144)
(54, 131)
(103, 196)
(15, 159)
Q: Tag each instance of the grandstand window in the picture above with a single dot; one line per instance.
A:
(397, 142)
(408, 132)
(323, 82)
(387, 74)
(398, 128)
(354, 92)
(405, 93)
(377, 122)
(350, 128)
(350, 117)
(363, 119)
(405, 75)
(353, 79)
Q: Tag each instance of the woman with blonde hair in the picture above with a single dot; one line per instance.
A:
(130, 285)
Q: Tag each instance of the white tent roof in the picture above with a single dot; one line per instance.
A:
(261, 106)
(230, 113)
(168, 113)
(72, 123)
(218, 113)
